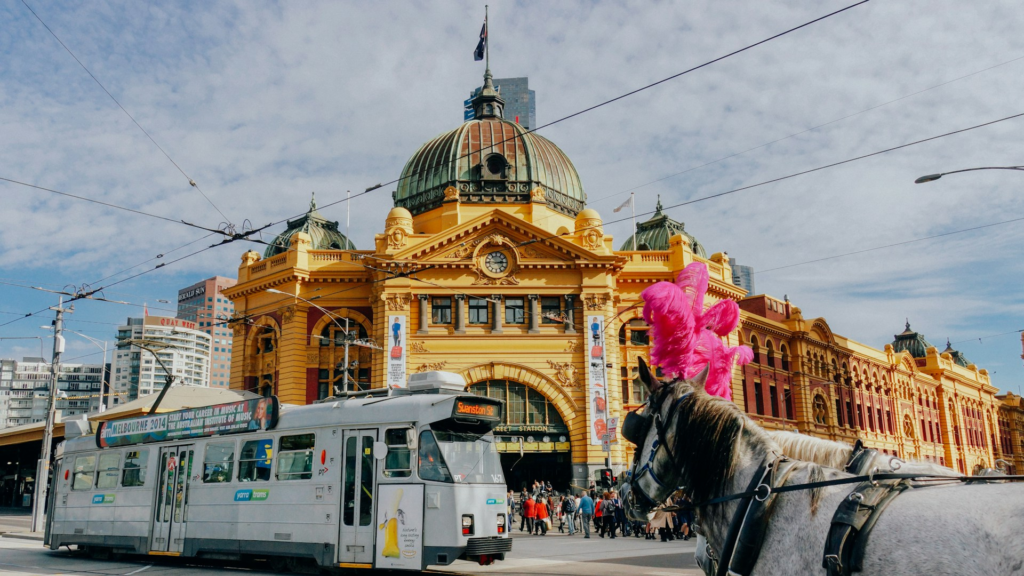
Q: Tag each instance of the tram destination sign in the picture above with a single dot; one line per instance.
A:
(477, 408)
(244, 416)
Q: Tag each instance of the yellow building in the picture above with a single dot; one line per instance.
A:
(490, 266)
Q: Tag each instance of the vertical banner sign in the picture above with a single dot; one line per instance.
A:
(597, 389)
(399, 526)
(396, 351)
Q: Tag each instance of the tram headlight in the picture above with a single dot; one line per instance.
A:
(467, 524)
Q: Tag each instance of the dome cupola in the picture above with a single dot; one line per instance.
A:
(655, 233)
(323, 233)
(489, 160)
(911, 342)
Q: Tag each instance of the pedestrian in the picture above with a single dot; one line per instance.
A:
(586, 509)
(510, 510)
(568, 512)
(543, 517)
(599, 515)
(661, 521)
(620, 514)
(529, 514)
(608, 515)
(685, 516)
(576, 515)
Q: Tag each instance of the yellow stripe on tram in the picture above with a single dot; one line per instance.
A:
(154, 553)
(354, 565)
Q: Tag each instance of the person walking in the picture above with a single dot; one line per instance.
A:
(510, 510)
(568, 513)
(577, 525)
(586, 508)
(529, 514)
(608, 516)
(599, 514)
(543, 517)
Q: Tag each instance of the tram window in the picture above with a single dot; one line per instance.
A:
(366, 494)
(219, 462)
(431, 465)
(85, 467)
(254, 460)
(108, 472)
(398, 463)
(350, 477)
(134, 473)
(295, 457)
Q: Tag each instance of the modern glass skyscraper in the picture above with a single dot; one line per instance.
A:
(742, 276)
(520, 101)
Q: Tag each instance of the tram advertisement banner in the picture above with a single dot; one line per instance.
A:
(244, 416)
(399, 526)
(396, 351)
(597, 389)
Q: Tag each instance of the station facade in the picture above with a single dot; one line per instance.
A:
(491, 266)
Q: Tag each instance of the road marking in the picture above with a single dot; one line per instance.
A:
(146, 567)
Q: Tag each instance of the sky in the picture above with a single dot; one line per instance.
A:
(264, 103)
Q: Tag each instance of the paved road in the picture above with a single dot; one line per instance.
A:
(532, 555)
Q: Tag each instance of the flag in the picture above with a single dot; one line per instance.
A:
(626, 204)
(145, 310)
(478, 54)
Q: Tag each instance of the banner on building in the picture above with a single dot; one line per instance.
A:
(244, 416)
(597, 386)
(396, 351)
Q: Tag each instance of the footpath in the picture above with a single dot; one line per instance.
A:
(17, 523)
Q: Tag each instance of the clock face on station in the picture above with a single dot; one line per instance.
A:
(496, 262)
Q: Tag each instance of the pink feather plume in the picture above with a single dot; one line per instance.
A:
(686, 338)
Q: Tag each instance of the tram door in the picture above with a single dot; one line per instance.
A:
(357, 501)
(171, 514)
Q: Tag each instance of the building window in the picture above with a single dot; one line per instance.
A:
(524, 406)
(820, 410)
(758, 397)
(441, 310)
(551, 310)
(773, 397)
(479, 311)
(515, 311)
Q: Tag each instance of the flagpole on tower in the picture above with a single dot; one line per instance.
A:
(632, 207)
(487, 42)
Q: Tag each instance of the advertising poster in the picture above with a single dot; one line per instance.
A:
(399, 526)
(244, 416)
(597, 389)
(396, 351)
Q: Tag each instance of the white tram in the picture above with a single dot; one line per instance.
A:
(351, 482)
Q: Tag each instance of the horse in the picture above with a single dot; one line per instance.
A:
(705, 445)
(845, 457)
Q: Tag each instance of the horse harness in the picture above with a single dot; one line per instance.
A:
(851, 524)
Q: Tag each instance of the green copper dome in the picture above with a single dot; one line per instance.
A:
(911, 342)
(957, 355)
(655, 233)
(489, 160)
(323, 233)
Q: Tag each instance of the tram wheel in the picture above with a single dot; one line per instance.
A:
(278, 563)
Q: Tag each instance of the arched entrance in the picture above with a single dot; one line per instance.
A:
(530, 415)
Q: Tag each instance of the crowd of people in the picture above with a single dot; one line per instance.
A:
(541, 509)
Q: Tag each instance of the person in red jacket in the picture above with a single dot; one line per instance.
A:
(529, 514)
(541, 510)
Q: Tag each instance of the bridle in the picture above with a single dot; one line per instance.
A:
(635, 427)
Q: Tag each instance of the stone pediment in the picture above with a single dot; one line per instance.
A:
(497, 230)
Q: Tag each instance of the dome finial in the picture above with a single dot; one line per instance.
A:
(312, 203)
(908, 324)
(657, 208)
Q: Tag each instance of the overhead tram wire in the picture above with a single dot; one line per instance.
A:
(157, 257)
(132, 118)
(591, 108)
(812, 128)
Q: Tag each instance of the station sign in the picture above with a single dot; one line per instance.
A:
(245, 416)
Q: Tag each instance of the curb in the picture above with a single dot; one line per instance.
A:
(22, 536)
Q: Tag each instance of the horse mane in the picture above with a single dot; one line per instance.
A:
(811, 449)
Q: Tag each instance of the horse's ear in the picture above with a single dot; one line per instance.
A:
(648, 378)
(701, 379)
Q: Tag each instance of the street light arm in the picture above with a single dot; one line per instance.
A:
(934, 177)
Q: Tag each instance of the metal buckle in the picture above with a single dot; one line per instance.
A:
(855, 497)
(871, 476)
(767, 492)
(834, 562)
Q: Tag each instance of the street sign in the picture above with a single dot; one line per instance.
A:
(606, 442)
(468, 103)
(613, 430)
(469, 115)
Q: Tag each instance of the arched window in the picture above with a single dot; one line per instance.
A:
(820, 409)
(756, 348)
(524, 406)
(331, 370)
(784, 352)
(769, 353)
(908, 427)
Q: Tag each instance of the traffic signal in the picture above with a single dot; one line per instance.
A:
(607, 480)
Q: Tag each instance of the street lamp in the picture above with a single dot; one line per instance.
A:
(348, 336)
(103, 367)
(934, 177)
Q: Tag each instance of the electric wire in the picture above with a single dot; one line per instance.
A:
(132, 118)
(592, 108)
(157, 257)
(812, 128)
(980, 338)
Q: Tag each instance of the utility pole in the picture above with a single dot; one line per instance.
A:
(43, 469)
(348, 340)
